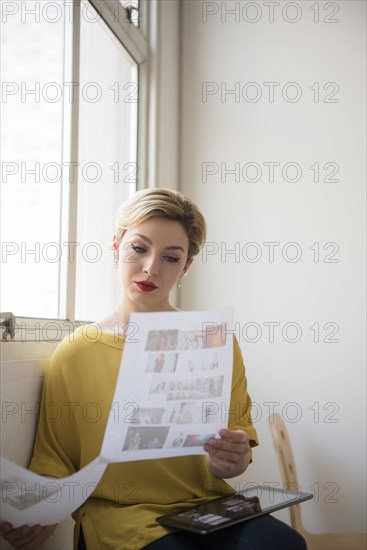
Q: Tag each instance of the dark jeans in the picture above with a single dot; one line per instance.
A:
(262, 533)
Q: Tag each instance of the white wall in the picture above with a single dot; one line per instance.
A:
(325, 380)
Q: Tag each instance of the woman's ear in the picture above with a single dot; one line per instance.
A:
(186, 268)
(115, 248)
(115, 243)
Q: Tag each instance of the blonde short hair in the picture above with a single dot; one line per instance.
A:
(163, 203)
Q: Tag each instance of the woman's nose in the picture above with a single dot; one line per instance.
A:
(151, 267)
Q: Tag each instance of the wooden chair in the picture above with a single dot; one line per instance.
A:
(324, 541)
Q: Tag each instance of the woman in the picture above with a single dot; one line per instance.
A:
(158, 233)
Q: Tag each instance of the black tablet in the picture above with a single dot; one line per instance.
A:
(225, 511)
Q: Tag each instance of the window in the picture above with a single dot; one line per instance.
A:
(31, 152)
(107, 148)
(71, 83)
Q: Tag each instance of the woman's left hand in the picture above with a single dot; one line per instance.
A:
(229, 455)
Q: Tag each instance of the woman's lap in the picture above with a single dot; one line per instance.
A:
(262, 533)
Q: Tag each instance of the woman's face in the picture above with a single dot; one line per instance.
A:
(152, 257)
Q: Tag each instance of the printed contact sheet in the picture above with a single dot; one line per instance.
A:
(173, 383)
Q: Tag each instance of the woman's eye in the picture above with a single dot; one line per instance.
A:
(172, 259)
(138, 249)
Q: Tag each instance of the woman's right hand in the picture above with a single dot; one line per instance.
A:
(25, 537)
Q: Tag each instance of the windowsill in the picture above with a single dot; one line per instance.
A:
(40, 331)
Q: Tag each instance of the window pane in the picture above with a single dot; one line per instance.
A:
(107, 156)
(31, 152)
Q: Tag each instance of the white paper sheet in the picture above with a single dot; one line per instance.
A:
(173, 387)
(28, 498)
(172, 394)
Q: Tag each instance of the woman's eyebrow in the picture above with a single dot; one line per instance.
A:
(144, 238)
(174, 248)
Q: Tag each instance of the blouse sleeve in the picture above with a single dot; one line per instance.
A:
(240, 408)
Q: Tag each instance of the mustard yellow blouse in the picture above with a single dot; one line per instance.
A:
(76, 400)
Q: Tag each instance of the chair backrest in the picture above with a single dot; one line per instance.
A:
(21, 384)
(286, 463)
(20, 393)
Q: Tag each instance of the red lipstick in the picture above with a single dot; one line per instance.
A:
(145, 286)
